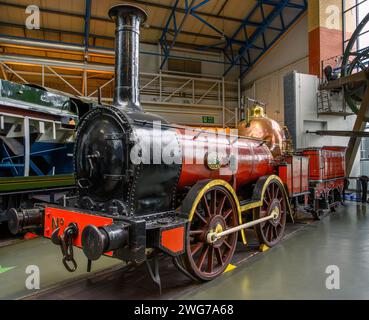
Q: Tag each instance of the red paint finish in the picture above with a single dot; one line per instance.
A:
(254, 159)
(30, 235)
(326, 163)
(324, 44)
(55, 217)
(173, 239)
(295, 174)
(324, 188)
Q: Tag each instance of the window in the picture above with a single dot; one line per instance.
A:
(354, 11)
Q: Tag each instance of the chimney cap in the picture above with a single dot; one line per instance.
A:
(127, 9)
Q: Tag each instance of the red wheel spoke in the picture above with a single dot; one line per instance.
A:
(279, 193)
(213, 206)
(218, 254)
(264, 226)
(210, 259)
(269, 195)
(196, 232)
(197, 247)
(221, 205)
(274, 232)
(227, 213)
(207, 208)
(273, 191)
(199, 215)
(202, 257)
(269, 232)
(227, 244)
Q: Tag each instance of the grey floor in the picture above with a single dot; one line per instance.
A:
(296, 269)
(47, 257)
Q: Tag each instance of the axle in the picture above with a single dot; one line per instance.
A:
(212, 237)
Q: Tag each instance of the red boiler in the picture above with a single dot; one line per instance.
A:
(212, 155)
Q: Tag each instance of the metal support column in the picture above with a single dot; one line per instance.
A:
(43, 75)
(360, 123)
(177, 27)
(4, 73)
(85, 84)
(223, 103)
(87, 24)
(27, 146)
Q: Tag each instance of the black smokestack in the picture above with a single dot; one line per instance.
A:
(128, 19)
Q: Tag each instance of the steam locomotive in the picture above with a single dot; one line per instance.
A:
(206, 189)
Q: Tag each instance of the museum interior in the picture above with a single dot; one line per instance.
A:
(184, 150)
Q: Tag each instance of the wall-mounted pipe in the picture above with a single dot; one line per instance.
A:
(66, 46)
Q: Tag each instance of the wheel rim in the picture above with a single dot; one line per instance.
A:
(271, 232)
(216, 211)
(352, 60)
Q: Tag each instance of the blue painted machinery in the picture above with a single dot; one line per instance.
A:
(37, 128)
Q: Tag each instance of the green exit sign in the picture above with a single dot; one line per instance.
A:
(208, 120)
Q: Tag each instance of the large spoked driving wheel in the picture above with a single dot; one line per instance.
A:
(274, 202)
(354, 61)
(214, 211)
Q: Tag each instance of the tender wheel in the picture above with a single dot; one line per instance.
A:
(215, 211)
(271, 232)
(318, 214)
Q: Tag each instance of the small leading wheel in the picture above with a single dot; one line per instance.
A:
(215, 211)
(271, 232)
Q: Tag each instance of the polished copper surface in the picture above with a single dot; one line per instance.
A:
(264, 128)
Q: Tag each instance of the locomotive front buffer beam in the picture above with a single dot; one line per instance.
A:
(124, 238)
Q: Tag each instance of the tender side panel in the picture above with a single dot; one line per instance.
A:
(284, 172)
(305, 174)
(326, 163)
(336, 161)
(316, 165)
(294, 174)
